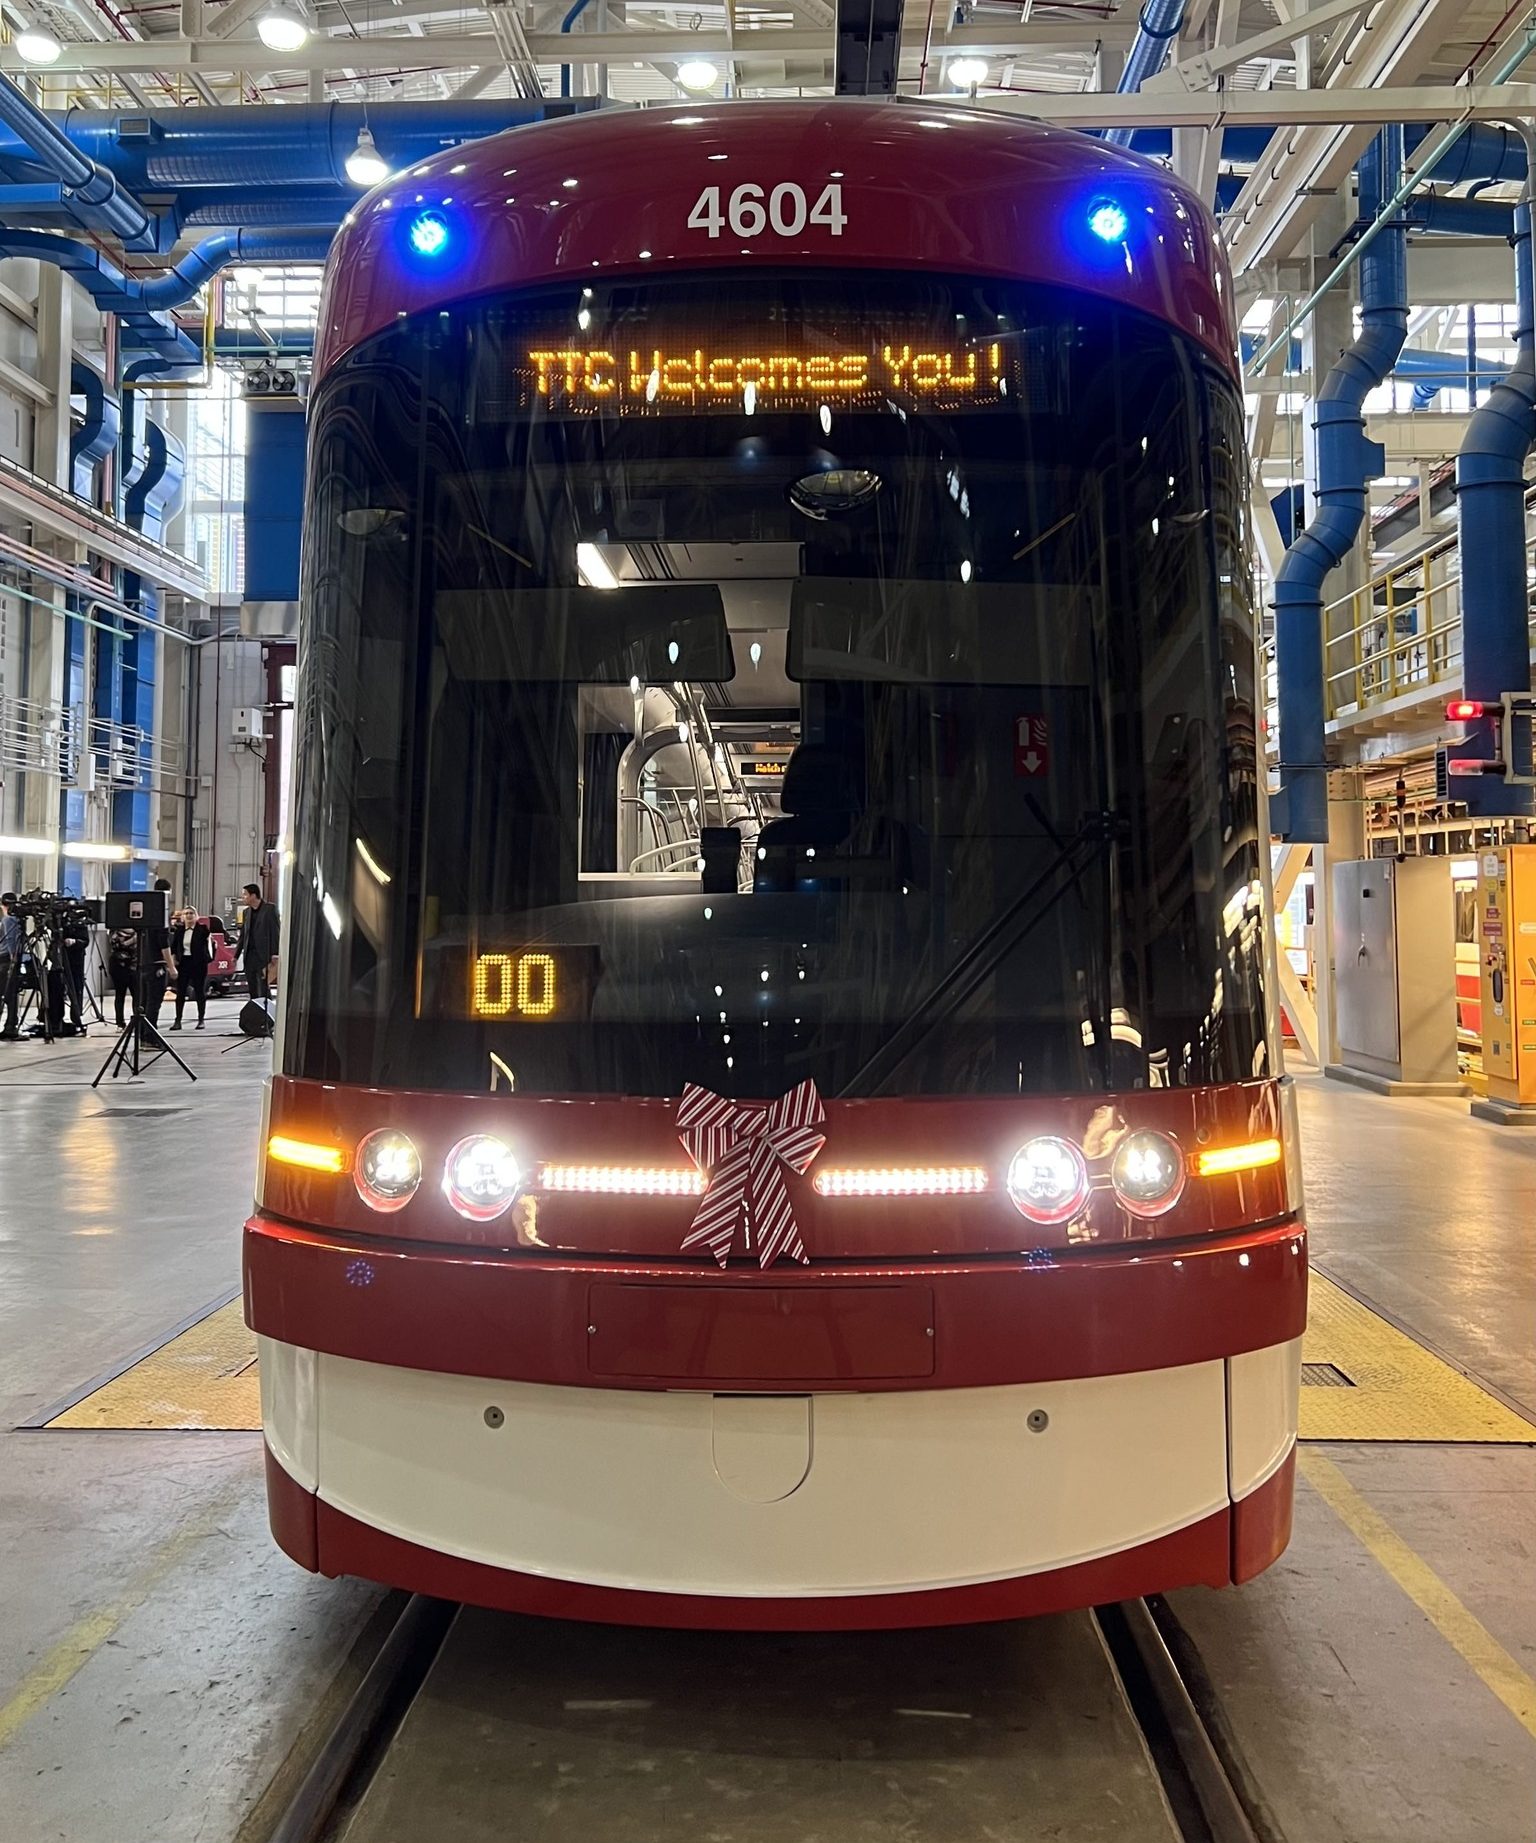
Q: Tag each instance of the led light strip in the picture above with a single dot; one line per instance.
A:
(624, 1180)
(308, 1157)
(904, 1181)
(1224, 1160)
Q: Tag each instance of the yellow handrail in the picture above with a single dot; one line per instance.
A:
(1400, 632)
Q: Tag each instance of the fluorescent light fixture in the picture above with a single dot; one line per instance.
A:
(967, 73)
(594, 568)
(11, 846)
(103, 853)
(698, 74)
(35, 46)
(366, 166)
(280, 30)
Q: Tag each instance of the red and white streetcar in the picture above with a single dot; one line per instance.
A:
(779, 1122)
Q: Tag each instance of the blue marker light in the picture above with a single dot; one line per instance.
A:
(428, 235)
(1108, 220)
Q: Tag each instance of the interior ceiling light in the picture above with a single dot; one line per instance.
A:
(966, 73)
(280, 30)
(35, 46)
(366, 166)
(698, 74)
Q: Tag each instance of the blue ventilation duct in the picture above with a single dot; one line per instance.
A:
(97, 435)
(1490, 514)
(1160, 23)
(152, 491)
(1460, 217)
(255, 145)
(118, 292)
(141, 303)
(1481, 151)
(1346, 461)
(91, 194)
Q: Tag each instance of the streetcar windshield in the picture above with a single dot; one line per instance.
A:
(844, 678)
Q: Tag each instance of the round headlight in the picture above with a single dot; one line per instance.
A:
(1048, 1180)
(1147, 1173)
(387, 1170)
(481, 1177)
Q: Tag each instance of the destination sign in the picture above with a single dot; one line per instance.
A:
(668, 376)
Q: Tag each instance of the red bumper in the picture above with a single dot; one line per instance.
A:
(648, 1325)
(1230, 1546)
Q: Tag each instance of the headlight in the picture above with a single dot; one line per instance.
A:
(1048, 1180)
(1147, 1173)
(481, 1177)
(387, 1170)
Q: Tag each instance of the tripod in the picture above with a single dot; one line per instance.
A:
(126, 1053)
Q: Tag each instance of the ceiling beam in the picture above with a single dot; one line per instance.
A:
(380, 51)
(1391, 46)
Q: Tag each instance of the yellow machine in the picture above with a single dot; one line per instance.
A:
(1506, 915)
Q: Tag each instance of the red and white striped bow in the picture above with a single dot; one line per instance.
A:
(741, 1147)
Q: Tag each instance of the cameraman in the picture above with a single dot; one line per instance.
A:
(13, 942)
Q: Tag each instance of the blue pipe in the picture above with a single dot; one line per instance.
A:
(97, 435)
(1160, 23)
(300, 144)
(1460, 217)
(1346, 461)
(118, 292)
(1480, 152)
(91, 194)
(1490, 516)
(570, 19)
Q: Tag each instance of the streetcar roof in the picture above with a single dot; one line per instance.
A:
(919, 185)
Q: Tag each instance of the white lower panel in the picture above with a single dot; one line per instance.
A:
(1263, 1388)
(824, 1494)
(288, 1407)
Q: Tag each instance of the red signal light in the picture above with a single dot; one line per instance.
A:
(1463, 710)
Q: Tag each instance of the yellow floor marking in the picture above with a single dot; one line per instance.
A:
(1462, 1630)
(204, 1380)
(1402, 1391)
(87, 1635)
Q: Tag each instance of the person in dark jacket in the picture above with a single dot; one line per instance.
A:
(190, 949)
(123, 965)
(256, 949)
(13, 944)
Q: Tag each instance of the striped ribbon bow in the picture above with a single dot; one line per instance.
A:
(742, 1147)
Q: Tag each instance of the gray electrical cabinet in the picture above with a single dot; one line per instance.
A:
(1394, 974)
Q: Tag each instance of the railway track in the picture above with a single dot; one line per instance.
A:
(455, 1694)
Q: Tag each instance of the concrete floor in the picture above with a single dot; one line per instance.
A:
(159, 1659)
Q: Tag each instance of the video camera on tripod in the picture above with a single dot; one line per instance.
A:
(58, 932)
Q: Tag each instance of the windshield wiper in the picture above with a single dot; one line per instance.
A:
(986, 953)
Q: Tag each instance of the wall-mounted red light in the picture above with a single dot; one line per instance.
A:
(1463, 710)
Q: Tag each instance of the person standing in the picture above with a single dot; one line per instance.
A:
(13, 943)
(123, 965)
(256, 950)
(159, 968)
(192, 967)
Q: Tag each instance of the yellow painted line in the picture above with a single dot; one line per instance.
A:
(87, 1635)
(205, 1380)
(1402, 1391)
(1461, 1629)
